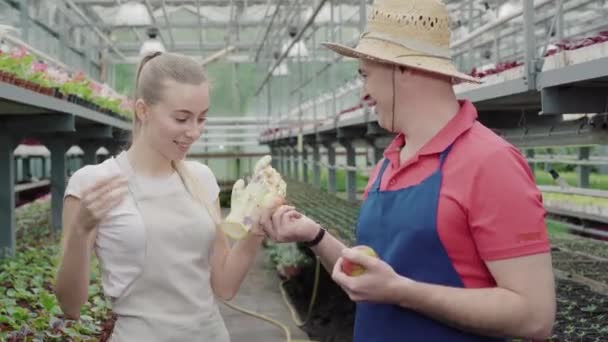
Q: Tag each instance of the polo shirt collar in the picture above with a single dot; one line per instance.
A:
(460, 123)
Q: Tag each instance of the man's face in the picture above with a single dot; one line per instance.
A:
(378, 88)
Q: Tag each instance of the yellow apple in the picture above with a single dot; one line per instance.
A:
(353, 269)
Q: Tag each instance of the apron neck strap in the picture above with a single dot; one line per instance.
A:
(444, 154)
(376, 185)
(385, 163)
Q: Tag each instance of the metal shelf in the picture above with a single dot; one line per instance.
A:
(577, 214)
(574, 191)
(580, 72)
(17, 100)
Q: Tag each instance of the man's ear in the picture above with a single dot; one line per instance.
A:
(141, 110)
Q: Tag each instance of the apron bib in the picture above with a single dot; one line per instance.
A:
(171, 299)
(401, 226)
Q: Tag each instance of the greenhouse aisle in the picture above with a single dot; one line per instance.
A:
(260, 293)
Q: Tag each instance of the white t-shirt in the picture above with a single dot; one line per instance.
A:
(120, 241)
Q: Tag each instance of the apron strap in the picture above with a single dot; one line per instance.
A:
(444, 154)
(376, 185)
(377, 181)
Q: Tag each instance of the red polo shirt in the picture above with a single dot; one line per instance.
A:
(489, 207)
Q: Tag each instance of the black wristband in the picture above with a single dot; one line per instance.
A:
(317, 238)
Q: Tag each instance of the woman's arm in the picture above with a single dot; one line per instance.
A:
(72, 280)
(80, 219)
(229, 266)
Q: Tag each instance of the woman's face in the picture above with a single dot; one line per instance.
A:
(177, 120)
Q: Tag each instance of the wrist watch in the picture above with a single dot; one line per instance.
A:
(317, 238)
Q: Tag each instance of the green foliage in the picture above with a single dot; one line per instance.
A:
(28, 306)
(18, 66)
(596, 180)
(285, 254)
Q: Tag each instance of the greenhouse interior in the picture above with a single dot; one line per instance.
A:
(284, 127)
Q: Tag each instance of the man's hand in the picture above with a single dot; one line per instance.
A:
(287, 225)
(377, 284)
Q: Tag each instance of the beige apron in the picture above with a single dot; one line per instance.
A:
(171, 299)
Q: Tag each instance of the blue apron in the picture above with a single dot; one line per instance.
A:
(401, 226)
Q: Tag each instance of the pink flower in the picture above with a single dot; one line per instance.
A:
(95, 87)
(80, 76)
(19, 52)
(38, 67)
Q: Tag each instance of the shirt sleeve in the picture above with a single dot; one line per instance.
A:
(208, 180)
(506, 214)
(78, 182)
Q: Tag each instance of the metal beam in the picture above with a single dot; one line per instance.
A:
(200, 24)
(135, 32)
(151, 14)
(493, 91)
(530, 44)
(32, 123)
(226, 155)
(7, 196)
(227, 135)
(58, 148)
(587, 71)
(201, 144)
(274, 15)
(568, 133)
(169, 24)
(193, 24)
(574, 100)
(293, 42)
(495, 23)
(193, 46)
(111, 3)
(30, 99)
(94, 27)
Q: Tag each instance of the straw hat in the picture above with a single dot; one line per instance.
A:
(412, 33)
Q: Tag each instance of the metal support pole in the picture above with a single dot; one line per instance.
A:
(316, 168)
(332, 71)
(331, 160)
(26, 169)
(530, 155)
(7, 196)
(283, 160)
(530, 41)
(58, 149)
(305, 164)
(90, 153)
(45, 167)
(559, 25)
(296, 163)
(25, 20)
(583, 170)
(288, 156)
(377, 152)
(351, 175)
(274, 153)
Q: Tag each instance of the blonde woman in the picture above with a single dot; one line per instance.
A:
(151, 219)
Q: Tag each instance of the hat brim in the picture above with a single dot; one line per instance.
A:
(416, 63)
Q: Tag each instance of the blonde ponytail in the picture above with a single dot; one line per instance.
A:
(196, 190)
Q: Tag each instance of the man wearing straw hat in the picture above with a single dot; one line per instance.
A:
(452, 210)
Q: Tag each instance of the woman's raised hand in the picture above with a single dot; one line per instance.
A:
(97, 200)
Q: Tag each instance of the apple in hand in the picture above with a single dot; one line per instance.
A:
(352, 269)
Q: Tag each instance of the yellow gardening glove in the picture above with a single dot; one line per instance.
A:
(265, 189)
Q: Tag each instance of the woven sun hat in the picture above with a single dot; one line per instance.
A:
(411, 33)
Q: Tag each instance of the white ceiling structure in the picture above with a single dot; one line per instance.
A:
(260, 32)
